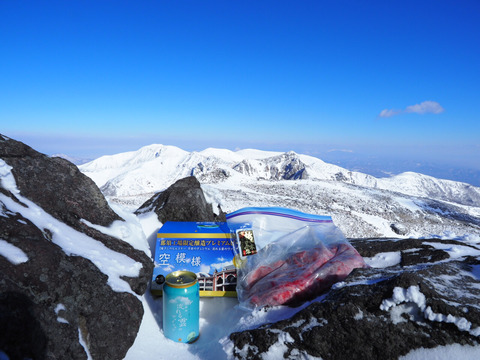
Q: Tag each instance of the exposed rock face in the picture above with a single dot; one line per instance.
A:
(50, 299)
(399, 229)
(286, 166)
(424, 301)
(56, 185)
(214, 177)
(183, 201)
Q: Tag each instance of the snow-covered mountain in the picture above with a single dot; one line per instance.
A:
(361, 205)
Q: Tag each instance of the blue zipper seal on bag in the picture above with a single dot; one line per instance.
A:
(281, 212)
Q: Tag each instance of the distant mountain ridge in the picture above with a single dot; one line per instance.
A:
(117, 169)
(73, 160)
(262, 178)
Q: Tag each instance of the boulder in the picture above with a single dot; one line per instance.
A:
(399, 229)
(425, 300)
(56, 304)
(182, 201)
(56, 185)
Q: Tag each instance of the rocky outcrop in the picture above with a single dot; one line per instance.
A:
(399, 229)
(286, 166)
(424, 300)
(56, 185)
(55, 303)
(182, 201)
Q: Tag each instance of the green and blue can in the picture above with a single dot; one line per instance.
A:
(181, 307)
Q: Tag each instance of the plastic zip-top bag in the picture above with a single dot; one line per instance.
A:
(285, 257)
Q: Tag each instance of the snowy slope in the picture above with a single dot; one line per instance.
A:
(361, 205)
(150, 160)
(416, 184)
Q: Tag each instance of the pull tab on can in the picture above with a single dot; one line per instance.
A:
(181, 307)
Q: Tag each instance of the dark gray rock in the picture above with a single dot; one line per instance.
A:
(286, 166)
(399, 229)
(182, 201)
(354, 320)
(65, 192)
(340, 177)
(21, 334)
(293, 168)
(214, 177)
(49, 300)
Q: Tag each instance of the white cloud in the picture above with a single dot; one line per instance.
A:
(340, 150)
(426, 107)
(389, 112)
(205, 268)
(221, 265)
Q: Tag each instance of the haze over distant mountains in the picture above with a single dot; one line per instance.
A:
(379, 166)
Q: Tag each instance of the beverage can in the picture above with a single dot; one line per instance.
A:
(181, 307)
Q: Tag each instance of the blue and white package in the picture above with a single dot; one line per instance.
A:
(203, 248)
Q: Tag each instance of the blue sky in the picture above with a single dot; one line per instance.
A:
(392, 78)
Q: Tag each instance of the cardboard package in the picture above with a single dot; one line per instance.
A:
(203, 248)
